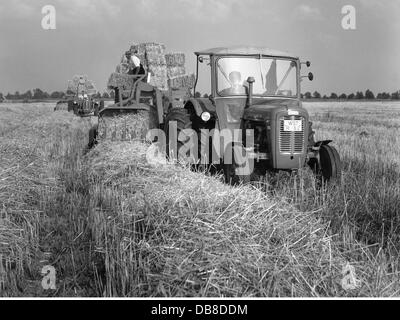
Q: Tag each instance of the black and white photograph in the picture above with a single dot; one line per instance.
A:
(233, 150)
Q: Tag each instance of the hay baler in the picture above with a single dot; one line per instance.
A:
(135, 95)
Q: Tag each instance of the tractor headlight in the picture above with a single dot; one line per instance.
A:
(205, 116)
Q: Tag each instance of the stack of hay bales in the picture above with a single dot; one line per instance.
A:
(179, 82)
(152, 56)
(175, 64)
(167, 69)
(177, 77)
(85, 85)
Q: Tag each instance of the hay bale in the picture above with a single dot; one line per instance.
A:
(185, 81)
(175, 71)
(61, 106)
(155, 59)
(142, 48)
(159, 76)
(123, 80)
(176, 59)
(127, 127)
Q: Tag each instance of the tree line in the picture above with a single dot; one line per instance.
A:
(369, 95)
(38, 94)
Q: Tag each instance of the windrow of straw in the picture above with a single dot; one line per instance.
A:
(166, 231)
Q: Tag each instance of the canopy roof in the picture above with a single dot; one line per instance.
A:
(245, 50)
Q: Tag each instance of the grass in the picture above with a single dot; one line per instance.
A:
(114, 225)
(368, 138)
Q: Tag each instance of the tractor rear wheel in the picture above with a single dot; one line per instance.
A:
(330, 166)
(182, 117)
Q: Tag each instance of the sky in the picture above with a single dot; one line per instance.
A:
(91, 36)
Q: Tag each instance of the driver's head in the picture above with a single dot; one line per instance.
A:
(235, 77)
(128, 54)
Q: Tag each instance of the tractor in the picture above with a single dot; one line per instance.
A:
(83, 103)
(254, 101)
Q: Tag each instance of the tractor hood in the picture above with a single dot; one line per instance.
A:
(262, 110)
(231, 111)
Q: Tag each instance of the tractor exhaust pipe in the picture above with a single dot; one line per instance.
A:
(250, 81)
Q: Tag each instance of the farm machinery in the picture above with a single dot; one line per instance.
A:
(140, 97)
(83, 103)
(251, 122)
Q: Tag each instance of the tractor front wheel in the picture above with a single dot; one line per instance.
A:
(237, 170)
(182, 118)
(330, 166)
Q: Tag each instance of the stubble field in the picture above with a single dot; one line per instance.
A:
(112, 224)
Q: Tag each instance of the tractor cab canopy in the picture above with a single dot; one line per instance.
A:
(275, 73)
(244, 51)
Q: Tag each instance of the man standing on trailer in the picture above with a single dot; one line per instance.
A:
(131, 63)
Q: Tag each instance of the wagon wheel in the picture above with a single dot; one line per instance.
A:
(330, 166)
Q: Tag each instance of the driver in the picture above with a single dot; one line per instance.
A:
(237, 88)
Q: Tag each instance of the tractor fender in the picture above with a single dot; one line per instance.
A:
(322, 143)
(315, 148)
(200, 105)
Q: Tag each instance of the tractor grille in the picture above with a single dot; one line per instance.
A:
(291, 141)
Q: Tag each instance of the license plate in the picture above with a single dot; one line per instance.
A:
(292, 125)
